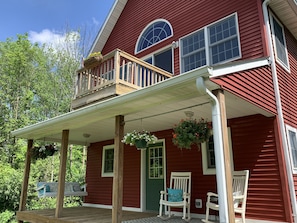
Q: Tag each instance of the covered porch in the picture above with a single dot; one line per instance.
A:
(155, 108)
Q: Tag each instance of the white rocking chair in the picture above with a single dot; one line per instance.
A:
(240, 186)
(177, 195)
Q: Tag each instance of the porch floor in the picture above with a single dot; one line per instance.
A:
(99, 215)
(77, 215)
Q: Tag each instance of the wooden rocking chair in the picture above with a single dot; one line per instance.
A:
(177, 195)
(239, 186)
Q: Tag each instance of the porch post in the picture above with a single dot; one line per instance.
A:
(219, 93)
(24, 191)
(117, 192)
(62, 174)
(117, 65)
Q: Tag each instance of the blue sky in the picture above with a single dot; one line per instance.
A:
(45, 19)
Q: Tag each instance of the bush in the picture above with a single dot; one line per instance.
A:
(7, 217)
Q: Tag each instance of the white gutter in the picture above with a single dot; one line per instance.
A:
(280, 111)
(218, 147)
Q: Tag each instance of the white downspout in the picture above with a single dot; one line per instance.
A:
(279, 110)
(219, 152)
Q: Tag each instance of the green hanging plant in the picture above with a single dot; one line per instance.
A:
(190, 132)
(133, 138)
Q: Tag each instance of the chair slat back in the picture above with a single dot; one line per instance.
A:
(240, 185)
(181, 180)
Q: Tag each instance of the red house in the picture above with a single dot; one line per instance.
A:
(164, 58)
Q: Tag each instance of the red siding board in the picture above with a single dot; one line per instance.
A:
(185, 18)
(288, 83)
(254, 148)
(100, 188)
(255, 86)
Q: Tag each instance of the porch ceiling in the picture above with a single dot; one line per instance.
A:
(286, 10)
(154, 108)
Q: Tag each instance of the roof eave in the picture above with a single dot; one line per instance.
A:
(108, 25)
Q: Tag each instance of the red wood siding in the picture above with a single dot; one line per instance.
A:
(254, 148)
(185, 18)
(188, 160)
(288, 87)
(255, 86)
(100, 188)
(288, 83)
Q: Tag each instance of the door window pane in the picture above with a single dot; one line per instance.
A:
(155, 162)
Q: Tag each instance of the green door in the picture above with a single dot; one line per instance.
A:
(154, 175)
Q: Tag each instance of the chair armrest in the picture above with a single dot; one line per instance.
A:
(235, 197)
(84, 187)
(211, 194)
(163, 195)
(186, 195)
(40, 187)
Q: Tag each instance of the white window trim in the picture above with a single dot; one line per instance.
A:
(139, 37)
(207, 53)
(289, 128)
(103, 174)
(285, 66)
(212, 171)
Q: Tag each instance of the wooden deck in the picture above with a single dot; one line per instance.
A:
(77, 215)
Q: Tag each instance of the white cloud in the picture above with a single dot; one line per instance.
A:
(59, 41)
(46, 37)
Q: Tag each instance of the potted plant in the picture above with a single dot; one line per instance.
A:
(42, 152)
(93, 58)
(190, 132)
(139, 138)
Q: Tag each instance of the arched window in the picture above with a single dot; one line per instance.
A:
(153, 33)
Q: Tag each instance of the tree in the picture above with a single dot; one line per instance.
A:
(37, 83)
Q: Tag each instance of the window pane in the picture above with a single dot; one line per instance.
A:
(280, 42)
(223, 39)
(153, 34)
(211, 163)
(193, 51)
(293, 145)
(108, 161)
(164, 60)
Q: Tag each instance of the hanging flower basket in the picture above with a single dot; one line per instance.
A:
(42, 152)
(141, 144)
(93, 59)
(190, 132)
(140, 139)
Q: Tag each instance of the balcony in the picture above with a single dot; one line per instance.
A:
(118, 73)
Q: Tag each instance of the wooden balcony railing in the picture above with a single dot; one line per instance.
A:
(118, 67)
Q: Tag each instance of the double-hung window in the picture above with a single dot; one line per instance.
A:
(107, 161)
(208, 155)
(213, 44)
(292, 141)
(280, 43)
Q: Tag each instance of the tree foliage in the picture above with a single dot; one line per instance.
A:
(37, 83)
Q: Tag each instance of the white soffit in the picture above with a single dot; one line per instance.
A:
(286, 10)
